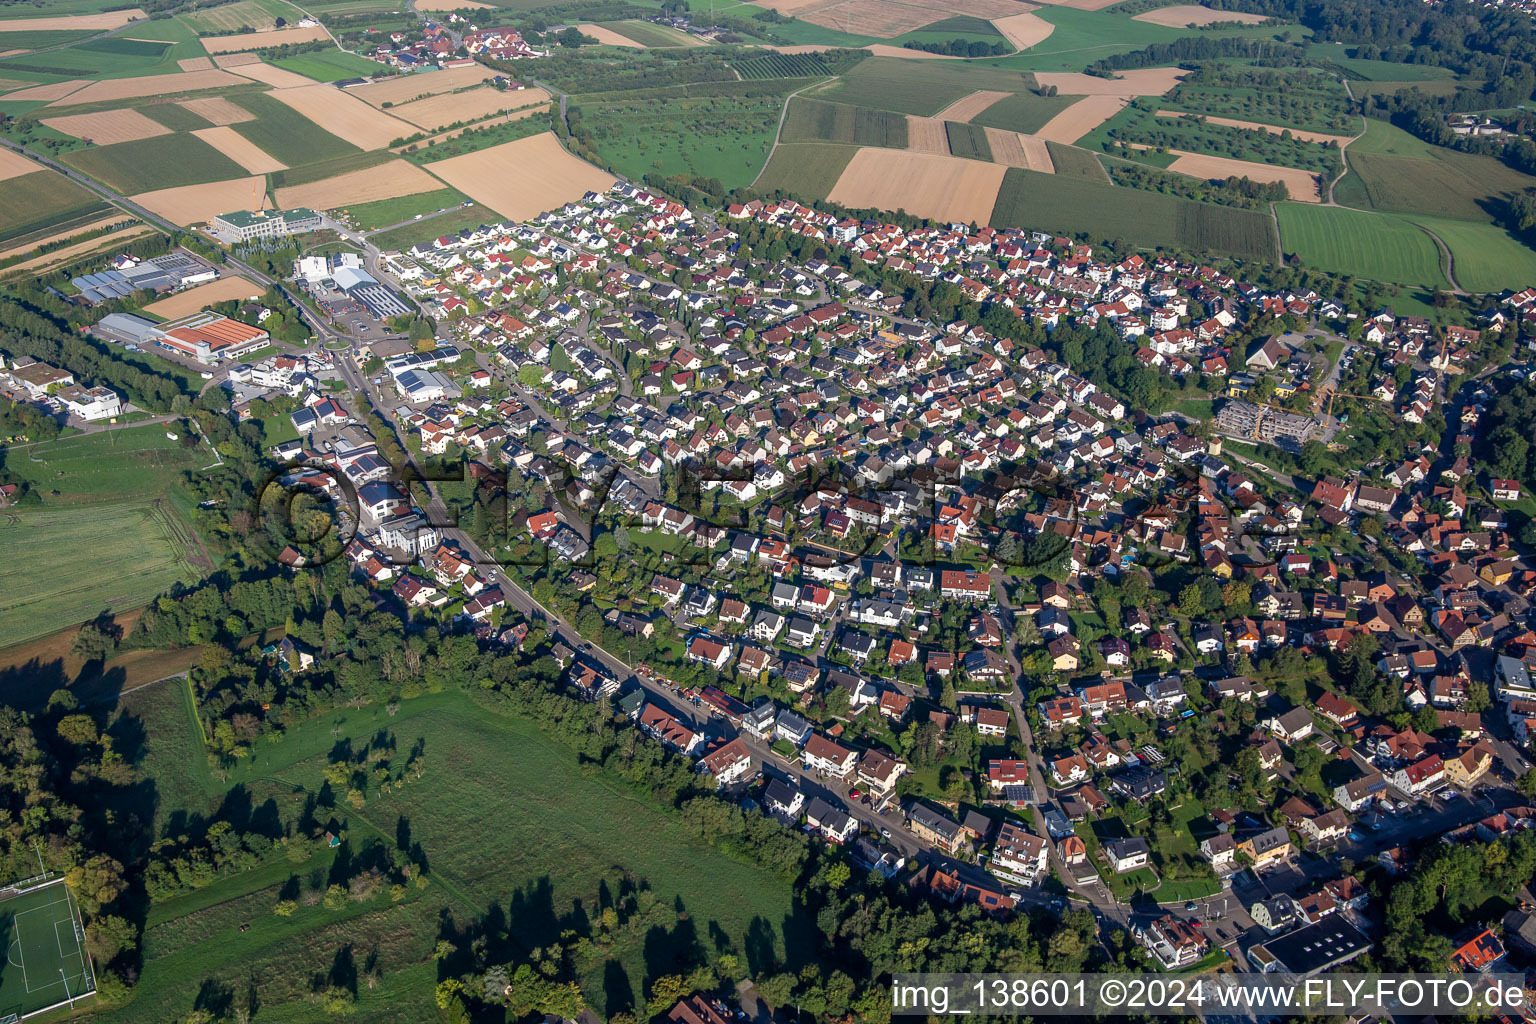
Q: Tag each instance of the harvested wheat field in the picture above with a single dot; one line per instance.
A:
(108, 126)
(967, 107)
(1081, 118)
(1016, 149)
(1024, 30)
(795, 8)
(195, 64)
(10, 53)
(150, 85)
(218, 110)
(515, 115)
(73, 22)
(946, 188)
(436, 112)
(453, 5)
(405, 88)
(1136, 82)
(986, 9)
(262, 40)
(608, 37)
(240, 149)
(1190, 15)
(523, 179)
(878, 49)
(198, 204)
(235, 60)
(56, 257)
(1082, 5)
(53, 91)
(1304, 186)
(278, 78)
(344, 116)
(1232, 122)
(14, 165)
(118, 217)
(194, 299)
(879, 18)
(927, 135)
(381, 181)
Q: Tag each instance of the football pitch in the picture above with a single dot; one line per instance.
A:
(44, 964)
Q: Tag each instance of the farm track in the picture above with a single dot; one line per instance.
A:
(777, 132)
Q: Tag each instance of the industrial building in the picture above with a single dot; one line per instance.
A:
(170, 272)
(206, 337)
(244, 226)
(362, 286)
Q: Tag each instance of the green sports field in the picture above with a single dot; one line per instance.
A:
(44, 965)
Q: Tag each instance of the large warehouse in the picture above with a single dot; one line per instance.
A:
(365, 288)
(207, 337)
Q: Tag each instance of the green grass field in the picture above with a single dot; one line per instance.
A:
(805, 169)
(36, 39)
(174, 116)
(1378, 70)
(819, 121)
(723, 137)
(115, 465)
(44, 963)
(1024, 111)
(561, 838)
(1393, 171)
(35, 201)
(372, 216)
(83, 560)
(1075, 162)
(286, 134)
(1074, 205)
(1380, 247)
(426, 229)
(968, 140)
(1082, 37)
(1485, 258)
(329, 65)
(647, 34)
(163, 161)
(919, 87)
(256, 14)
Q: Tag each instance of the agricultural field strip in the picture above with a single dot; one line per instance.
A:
(1230, 122)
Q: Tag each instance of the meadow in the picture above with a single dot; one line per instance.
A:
(1072, 161)
(287, 134)
(428, 228)
(1075, 205)
(722, 137)
(42, 199)
(805, 169)
(381, 214)
(163, 161)
(82, 560)
(510, 827)
(818, 121)
(968, 140)
(919, 87)
(329, 65)
(1484, 258)
(1380, 247)
(1393, 171)
(1024, 111)
(647, 34)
